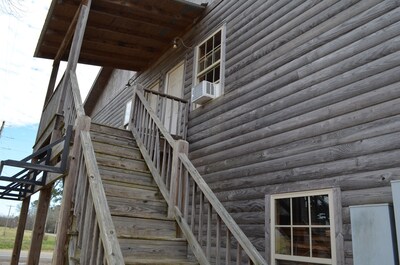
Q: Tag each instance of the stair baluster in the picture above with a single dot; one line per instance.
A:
(186, 204)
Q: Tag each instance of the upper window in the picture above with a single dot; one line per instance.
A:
(210, 60)
(302, 229)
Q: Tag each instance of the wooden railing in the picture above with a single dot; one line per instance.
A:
(97, 237)
(73, 107)
(212, 233)
(49, 111)
(172, 111)
(96, 234)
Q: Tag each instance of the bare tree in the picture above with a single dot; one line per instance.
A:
(11, 7)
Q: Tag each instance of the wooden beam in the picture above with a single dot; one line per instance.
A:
(52, 82)
(68, 36)
(20, 231)
(75, 50)
(39, 227)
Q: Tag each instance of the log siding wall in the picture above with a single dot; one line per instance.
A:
(312, 96)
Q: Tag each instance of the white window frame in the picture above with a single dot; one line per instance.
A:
(333, 222)
(127, 114)
(221, 84)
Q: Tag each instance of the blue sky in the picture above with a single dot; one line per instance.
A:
(24, 81)
(15, 143)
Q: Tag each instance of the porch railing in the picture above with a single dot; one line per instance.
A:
(172, 111)
(49, 112)
(96, 234)
(212, 233)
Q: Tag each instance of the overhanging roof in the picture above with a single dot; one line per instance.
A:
(124, 34)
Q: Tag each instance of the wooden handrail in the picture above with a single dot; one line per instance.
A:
(91, 209)
(148, 129)
(80, 111)
(165, 95)
(108, 234)
(222, 212)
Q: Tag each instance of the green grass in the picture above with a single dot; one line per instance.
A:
(7, 239)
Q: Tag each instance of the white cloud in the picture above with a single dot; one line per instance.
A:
(24, 79)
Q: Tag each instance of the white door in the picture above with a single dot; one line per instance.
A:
(173, 87)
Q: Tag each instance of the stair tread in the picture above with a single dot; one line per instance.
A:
(123, 171)
(112, 139)
(160, 261)
(152, 238)
(138, 226)
(106, 129)
(160, 217)
(145, 186)
(121, 151)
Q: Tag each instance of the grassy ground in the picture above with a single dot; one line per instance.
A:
(7, 237)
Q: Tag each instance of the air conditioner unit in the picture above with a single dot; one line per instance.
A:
(203, 92)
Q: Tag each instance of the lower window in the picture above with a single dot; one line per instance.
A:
(302, 228)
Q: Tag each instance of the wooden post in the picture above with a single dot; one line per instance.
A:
(65, 220)
(39, 227)
(181, 146)
(75, 50)
(20, 231)
(52, 82)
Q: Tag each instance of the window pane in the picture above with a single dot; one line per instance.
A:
(201, 65)
(320, 210)
(202, 50)
(209, 45)
(321, 242)
(300, 211)
(282, 214)
(217, 55)
(217, 39)
(210, 76)
(209, 60)
(216, 74)
(301, 241)
(282, 240)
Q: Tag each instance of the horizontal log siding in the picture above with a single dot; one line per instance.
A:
(312, 94)
(110, 106)
(311, 101)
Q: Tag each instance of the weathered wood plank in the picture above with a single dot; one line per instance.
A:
(144, 226)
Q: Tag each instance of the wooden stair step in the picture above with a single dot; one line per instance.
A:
(126, 176)
(133, 207)
(131, 185)
(121, 162)
(121, 151)
(148, 248)
(138, 226)
(105, 129)
(115, 140)
(160, 261)
(114, 190)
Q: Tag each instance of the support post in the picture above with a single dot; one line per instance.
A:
(181, 146)
(75, 49)
(23, 216)
(65, 220)
(52, 82)
(39, 227)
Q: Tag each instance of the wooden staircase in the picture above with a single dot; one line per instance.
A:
(139, 212)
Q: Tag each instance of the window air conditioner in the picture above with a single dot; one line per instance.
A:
(203, 92)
